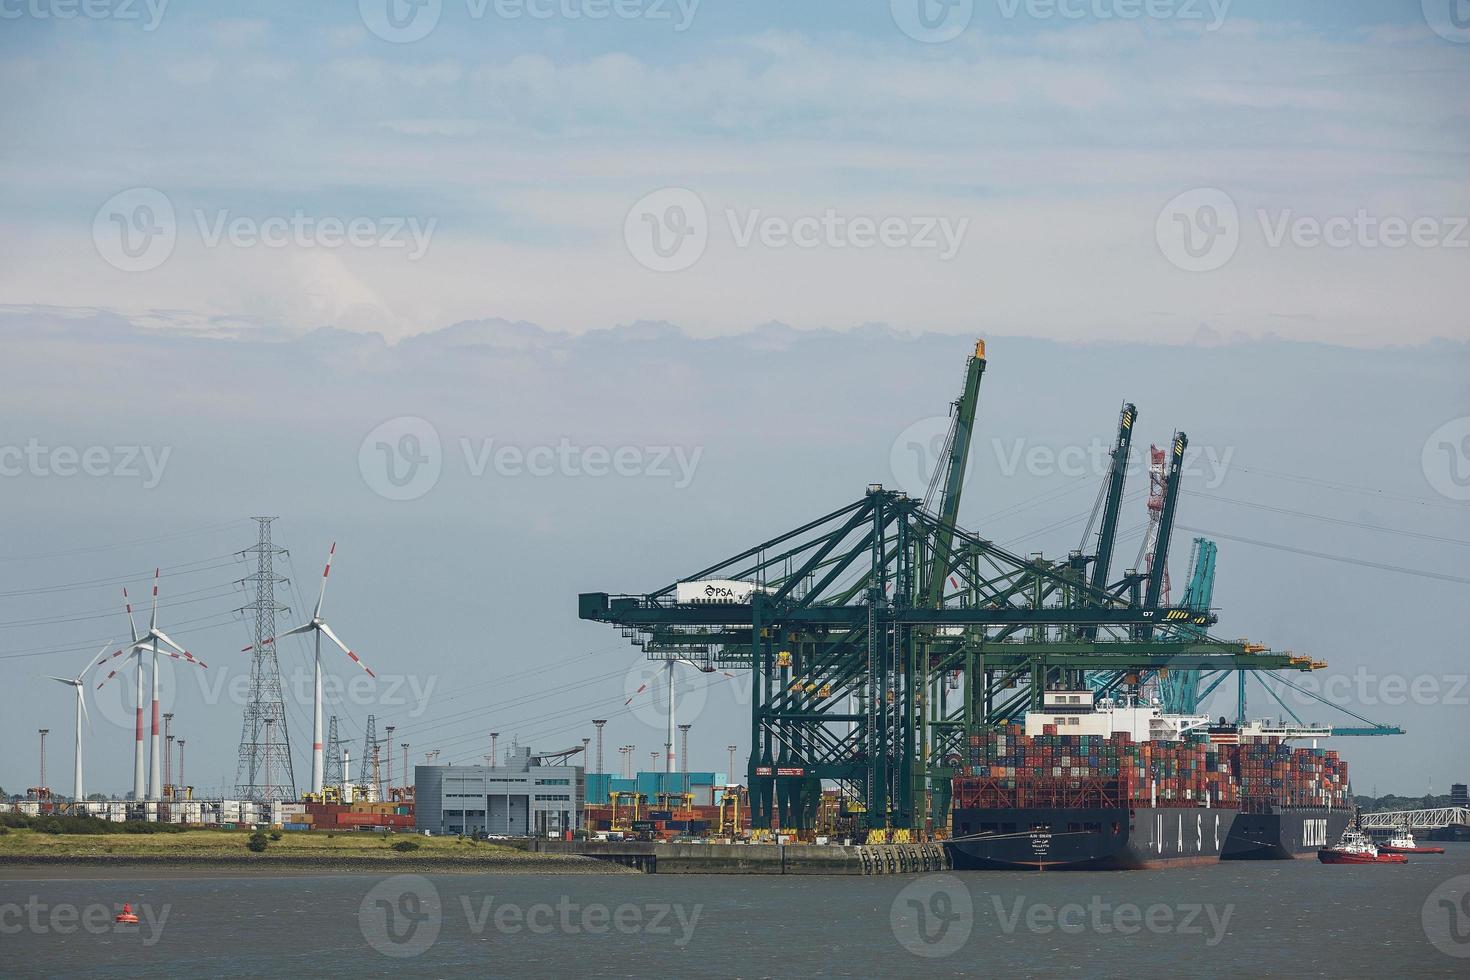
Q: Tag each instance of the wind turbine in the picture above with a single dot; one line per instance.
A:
(670, 761)
(80, 686)
(149, 642)
(140, 772)
(317, 627)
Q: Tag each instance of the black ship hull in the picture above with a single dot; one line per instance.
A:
(1092, 839)
(1282, 835)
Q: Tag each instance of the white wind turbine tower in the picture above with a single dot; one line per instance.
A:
(317, 627)
(150, 642)
(140, 771)
(80, 686)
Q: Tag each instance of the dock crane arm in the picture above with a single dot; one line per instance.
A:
(954, 478)
(1166, 522)
(1117, 473)
(1107, 534)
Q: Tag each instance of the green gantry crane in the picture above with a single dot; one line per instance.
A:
(881, 635)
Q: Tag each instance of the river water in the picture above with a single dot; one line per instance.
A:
(1295, 918)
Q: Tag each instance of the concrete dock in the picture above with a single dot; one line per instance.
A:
(758, 859)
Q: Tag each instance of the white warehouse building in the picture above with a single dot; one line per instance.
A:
(523, 798)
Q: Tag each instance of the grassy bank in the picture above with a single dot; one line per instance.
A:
(302, 849)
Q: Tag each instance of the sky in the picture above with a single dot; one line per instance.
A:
(1074, 169)
(641, 284)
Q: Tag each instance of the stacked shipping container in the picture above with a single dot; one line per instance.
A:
(1270, 771)
(354, 816)
(1007, 769)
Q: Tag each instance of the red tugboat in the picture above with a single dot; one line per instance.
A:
(1356, 848)
(1402, 842)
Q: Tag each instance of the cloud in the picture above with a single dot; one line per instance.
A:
(1058, 146)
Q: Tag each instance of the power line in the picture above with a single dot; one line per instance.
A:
(1063, 490)
(457, 717)
(165, 571)
(1066, 521)
(1342, 522)
(541, 732)
(93, 643)
(222, 590)
(1403, 570)
(1349, 487)
(501, 679)
(124, 544)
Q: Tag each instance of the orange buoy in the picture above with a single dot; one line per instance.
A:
(127, 914)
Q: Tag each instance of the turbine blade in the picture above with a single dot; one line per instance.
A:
(63, 680)
(132, 651)
(115, 653)
(129, 604)
(186, 657)
(153, 619)
(182, 653)
(163, 638)
(325, 572)
(82, 703)
(101, 657)
(303, 628)
(354, 657)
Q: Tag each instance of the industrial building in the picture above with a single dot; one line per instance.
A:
(523, 797)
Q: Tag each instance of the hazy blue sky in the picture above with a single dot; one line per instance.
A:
(749, 246)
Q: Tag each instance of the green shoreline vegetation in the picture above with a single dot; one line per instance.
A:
(82, 840)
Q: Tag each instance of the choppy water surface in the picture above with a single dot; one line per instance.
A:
(1247, 920)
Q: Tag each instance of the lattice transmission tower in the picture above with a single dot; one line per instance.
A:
(332, 773)
(372, 773)
(265, 771)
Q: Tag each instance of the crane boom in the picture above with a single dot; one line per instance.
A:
(1166, 522)
(959, 455)
(1117, 473)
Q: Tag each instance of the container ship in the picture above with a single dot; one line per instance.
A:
(1293, 801)
(1120, 784)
